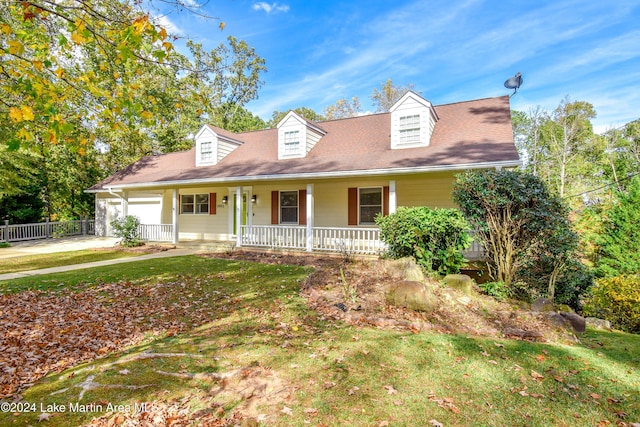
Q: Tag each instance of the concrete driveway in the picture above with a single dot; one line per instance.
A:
(65, 244)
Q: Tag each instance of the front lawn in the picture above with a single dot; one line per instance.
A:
(219, 340)
(58, 259)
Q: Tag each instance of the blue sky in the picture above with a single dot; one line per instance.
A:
(319, 52)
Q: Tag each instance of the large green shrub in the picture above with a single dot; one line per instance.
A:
(435, 237)
(524, 228)
(127, 229)
(616, 299)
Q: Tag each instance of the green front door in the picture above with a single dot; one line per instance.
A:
(244, 210)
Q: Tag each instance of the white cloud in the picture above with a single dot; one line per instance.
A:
(273, 7)
(168, 25)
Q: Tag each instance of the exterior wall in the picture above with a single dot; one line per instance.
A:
(330, 203)
(203, 226)
(331, 196)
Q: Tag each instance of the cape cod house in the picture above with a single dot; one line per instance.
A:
(306, 185)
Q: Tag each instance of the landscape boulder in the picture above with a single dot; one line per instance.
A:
(576, 321)
(410, 294)
(461, 282)
(594, 322)
(542, 305)
(405, 269)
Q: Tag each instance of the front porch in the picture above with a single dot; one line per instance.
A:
(363, 241)
(343, 240)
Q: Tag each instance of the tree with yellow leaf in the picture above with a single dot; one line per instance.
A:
(101, 79)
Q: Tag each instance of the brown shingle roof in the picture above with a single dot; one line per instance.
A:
(467, 133)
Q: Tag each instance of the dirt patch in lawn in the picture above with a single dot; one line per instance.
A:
(354, 291)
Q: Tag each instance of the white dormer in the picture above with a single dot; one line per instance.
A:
(212, 146)
(412, 121)
(296, 136)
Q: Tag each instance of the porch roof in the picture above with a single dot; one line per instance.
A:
(469, 134)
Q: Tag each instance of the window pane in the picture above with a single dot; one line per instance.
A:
(368, 214)
(289, 215)
(370, 204)
(410, 129)
(370, 196)
(291, 142)
(289, 207)
(202, 203)
(289, 198)
(206, 153)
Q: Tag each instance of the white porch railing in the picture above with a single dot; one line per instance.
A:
(45, 230)
(328, 239)
(275, 236)
(348, 240)
(156, 232)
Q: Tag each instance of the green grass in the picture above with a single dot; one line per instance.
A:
(80, 279)
(403, 378)
(58, 259)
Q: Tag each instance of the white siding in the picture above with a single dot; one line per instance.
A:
(224, 148)
(312, 138)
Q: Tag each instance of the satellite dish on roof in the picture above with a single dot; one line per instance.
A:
(514, 82)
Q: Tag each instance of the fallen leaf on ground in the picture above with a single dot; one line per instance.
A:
(390, 389)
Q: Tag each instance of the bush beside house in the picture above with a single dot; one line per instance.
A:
(434, 237)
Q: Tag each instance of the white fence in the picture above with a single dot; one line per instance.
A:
(330, 239)
(45, 230)
(156, 232)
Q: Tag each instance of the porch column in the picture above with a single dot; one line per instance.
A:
(310, 217)
(125, 203)
(393, 202)
(174, 211)
(238, 217)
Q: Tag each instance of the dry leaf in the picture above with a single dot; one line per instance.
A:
(390, 389)
(311, 411)
(435, 423)
(536, 376)
(288, 411)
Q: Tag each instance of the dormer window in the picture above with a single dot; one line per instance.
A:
(297, 136)
(206, 152)
(410, 129)
(292, 142)
(213, 145)
(413, 119)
